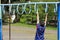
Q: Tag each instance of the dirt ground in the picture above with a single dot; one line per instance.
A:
(24, 33)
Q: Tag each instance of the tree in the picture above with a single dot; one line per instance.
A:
(5, 1)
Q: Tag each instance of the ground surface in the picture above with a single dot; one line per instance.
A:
(24, 33)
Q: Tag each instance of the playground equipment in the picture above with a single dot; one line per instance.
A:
(24, 5)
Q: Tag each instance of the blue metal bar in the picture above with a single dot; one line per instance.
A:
(35, 7)
(33, 3)
(24, 10)
(46, 9)
(3, 9)
(58, 21)
(55, 8)
(0, 24)
(30, 9)
(17, 9)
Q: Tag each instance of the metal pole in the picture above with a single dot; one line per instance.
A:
(9, 1)
(0, 22)
(9, 28)
(58, 21)
(9, 22)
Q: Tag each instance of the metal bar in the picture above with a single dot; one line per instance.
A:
(32, 3)
(58, 22)
(9, 21)
(0, 24)
(46, 8)
(9, 28)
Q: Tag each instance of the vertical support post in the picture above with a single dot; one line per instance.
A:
(9, 25)
(9, 20)
(58, 21)
(0, 24)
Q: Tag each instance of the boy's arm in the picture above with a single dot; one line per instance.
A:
(46, 19)
(37, 17)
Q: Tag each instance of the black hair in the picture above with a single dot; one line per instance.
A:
(42, 23)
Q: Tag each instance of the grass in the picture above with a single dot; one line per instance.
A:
(33, 26)
(49, 35)
(23, 25)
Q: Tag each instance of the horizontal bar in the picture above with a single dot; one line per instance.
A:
(32, 3)
(44, 2)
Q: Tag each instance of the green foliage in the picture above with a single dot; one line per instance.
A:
(41, 9)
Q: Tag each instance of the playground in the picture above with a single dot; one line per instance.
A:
(24, 31)
(27, 33)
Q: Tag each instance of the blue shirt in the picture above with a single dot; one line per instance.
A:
(40, 32)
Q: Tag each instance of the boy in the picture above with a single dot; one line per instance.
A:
(40, 28)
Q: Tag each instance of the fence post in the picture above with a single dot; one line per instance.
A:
(58, 21)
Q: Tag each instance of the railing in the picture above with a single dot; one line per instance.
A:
(24, 6)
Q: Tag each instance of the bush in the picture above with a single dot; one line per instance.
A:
(52, 22)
